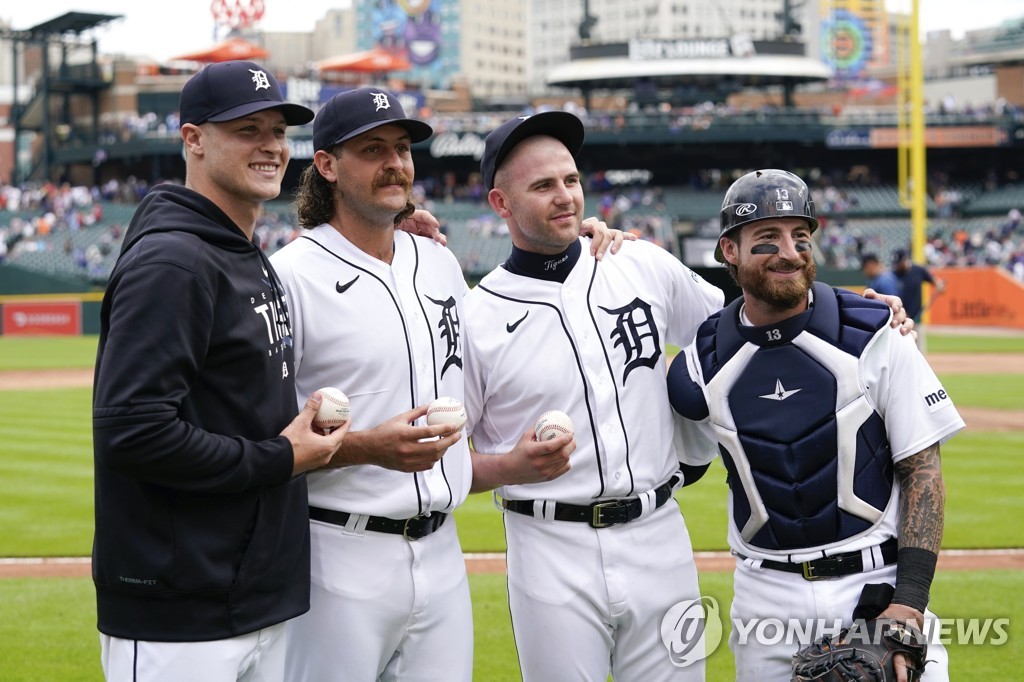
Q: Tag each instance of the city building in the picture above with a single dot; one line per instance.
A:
(74, 107)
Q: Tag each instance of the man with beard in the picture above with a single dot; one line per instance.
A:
(829, 423)
(378, 314)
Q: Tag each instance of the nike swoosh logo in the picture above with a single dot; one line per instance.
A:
(342, 288)
(511, 327)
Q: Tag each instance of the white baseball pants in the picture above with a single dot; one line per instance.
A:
(586, 601)
(776, 596)
(253, 657)
(384, 608)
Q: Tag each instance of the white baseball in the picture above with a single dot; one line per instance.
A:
(552, 425)
(333, 410)
(446, 411)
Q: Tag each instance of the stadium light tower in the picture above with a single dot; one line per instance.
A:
(792, 29)
(587, 22)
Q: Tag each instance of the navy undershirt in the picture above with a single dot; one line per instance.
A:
(554, 268)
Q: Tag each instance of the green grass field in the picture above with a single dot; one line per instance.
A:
(993, 391)
(47, 626)
(965, 343)
(59, 642)
(47, 352)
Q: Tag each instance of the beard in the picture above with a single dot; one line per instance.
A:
(778, 295)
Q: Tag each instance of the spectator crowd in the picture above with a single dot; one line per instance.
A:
(47, 217)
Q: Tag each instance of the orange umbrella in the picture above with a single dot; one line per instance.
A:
(232, 48)
(370, 61)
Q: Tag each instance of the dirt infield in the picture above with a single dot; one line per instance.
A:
(949, 560)
(28, 379)
(942, 363)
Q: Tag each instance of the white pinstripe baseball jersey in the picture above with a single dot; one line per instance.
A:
(593, 347)
(391, 338)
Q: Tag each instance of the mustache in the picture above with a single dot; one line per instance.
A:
(791, 264)
(392, 178)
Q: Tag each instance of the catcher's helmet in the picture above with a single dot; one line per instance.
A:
(761, 194)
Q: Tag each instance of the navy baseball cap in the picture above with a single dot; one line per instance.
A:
(229, 90)
(561, 125)
(353, 112)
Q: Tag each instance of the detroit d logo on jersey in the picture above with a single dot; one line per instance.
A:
(636, 334)
(450, 332)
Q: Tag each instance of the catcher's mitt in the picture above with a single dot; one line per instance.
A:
(863, 653)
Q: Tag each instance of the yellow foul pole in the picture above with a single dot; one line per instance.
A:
(911, 158)
(918, 171)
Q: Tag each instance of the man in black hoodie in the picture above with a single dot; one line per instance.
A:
(201, 549)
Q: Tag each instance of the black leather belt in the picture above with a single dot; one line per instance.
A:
(835, 565)
(411, 529)
(600, 514)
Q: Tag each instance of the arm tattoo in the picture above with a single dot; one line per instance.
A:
(922, 499)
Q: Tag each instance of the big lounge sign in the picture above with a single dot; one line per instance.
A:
(455, 144)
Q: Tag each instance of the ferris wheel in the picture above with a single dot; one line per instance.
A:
(237, 15)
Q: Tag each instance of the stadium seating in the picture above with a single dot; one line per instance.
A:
(64, 253)
(997, 201)
(867, 218)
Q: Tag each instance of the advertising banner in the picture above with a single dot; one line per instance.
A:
(984, 297)
(42, 317)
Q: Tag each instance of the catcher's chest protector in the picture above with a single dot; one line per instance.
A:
(808, 458)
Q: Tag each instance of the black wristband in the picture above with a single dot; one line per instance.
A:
(915, 569)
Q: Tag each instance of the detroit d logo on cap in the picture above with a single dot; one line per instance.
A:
(381, 101)
(260, 79)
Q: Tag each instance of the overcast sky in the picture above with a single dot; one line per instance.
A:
(163, 30)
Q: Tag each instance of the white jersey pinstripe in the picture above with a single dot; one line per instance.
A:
(390, 337)
(594, 348)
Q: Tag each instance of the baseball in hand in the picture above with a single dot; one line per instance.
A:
(552, 425)
(447, 411)
(333, 410)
